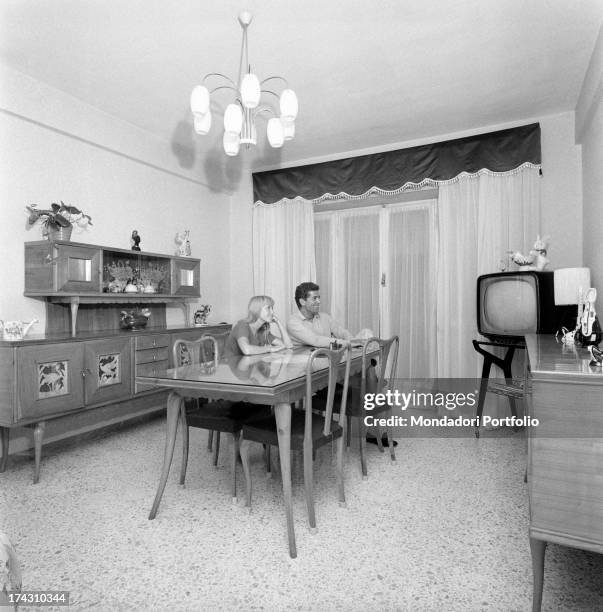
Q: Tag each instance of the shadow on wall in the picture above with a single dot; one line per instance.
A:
(221, 172)
(183, 145)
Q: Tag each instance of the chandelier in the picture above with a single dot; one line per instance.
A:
(240, 116)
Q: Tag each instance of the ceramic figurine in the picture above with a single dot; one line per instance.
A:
(201, 315)
(536, 259)
(15, 330)
(135, 241)
(596, 356)
(184, 246)
(589, 329)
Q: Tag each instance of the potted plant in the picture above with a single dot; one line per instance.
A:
(58, 220)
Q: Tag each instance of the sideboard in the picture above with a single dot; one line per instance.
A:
(565, 450)
(84, 360)
(53, 375)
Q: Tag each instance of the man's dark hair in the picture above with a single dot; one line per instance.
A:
(301, 291)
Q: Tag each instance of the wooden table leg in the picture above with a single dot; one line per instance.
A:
(38, 437)
(4, 436)
(538, 548)
(174, 404)
(282, 414)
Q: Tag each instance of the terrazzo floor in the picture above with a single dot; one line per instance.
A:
(444, 528)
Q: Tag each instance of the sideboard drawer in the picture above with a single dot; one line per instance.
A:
(152, 341)
(152, 355)
(149, 369)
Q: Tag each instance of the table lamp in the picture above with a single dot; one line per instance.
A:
(571, 285)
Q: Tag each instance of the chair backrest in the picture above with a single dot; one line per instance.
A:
(335, 359)
(386, 352)
(191, 352)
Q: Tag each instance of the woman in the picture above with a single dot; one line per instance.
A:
(251, 336)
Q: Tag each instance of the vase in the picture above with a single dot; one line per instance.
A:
(60, 233)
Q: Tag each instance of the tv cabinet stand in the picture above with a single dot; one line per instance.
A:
(513, 390)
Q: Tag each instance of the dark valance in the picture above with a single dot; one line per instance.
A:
(390, 171)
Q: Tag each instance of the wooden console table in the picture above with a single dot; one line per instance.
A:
(565, 451)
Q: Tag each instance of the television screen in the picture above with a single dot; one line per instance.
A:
(512, 304)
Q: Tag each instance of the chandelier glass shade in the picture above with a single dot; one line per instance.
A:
(250, 102)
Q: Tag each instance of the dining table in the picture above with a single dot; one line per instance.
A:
(277, 379)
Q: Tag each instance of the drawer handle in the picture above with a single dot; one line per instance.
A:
(154, 343)
(154, 356)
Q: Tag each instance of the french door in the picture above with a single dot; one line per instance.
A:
(376, 270)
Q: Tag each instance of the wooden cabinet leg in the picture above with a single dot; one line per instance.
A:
(4, 435)
(538, 548)
(38, 438)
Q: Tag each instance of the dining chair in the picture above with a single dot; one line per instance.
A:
(309, 430)
(216, 416)
(379, 364)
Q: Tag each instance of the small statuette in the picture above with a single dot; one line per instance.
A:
(135, 241)
(184, 245)
(201, 315)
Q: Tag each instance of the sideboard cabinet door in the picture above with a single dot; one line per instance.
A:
(108, 369)
(49, 379)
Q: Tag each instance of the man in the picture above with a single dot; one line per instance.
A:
(311, 327)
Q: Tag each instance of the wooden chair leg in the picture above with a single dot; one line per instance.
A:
(362, 440)
(184, 444)
(349, 430)
(5, 433)
(38, 437)
(340, 486)
(210, 440)
(379, 441)
(309, 485)
(267, 448)
(244, 450)
(216, 447)
(235, 455)
(390, 441)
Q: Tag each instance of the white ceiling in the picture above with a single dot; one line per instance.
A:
(368, 73)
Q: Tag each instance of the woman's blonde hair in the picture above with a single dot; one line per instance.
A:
(256, 303)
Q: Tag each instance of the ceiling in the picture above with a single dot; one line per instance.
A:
(368, 73)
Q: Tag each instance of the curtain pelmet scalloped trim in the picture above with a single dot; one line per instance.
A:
(406, 187)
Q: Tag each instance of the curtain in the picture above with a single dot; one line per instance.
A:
(283, 252)
(348, 266)
(355, 247)
(323, 249)
(356, 282)
(480, 218)
(392, 172)
(410, 304)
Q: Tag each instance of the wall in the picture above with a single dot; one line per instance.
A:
(57, 148)
(54, 148)
(589, 133)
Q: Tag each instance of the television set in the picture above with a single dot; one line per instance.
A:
(512, 304)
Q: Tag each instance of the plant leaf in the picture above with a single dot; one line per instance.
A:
(61, 221)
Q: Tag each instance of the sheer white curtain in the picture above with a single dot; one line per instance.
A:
(480, 218)
(283, 251)
(348, 266)
(410, 297)
(324, 258)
